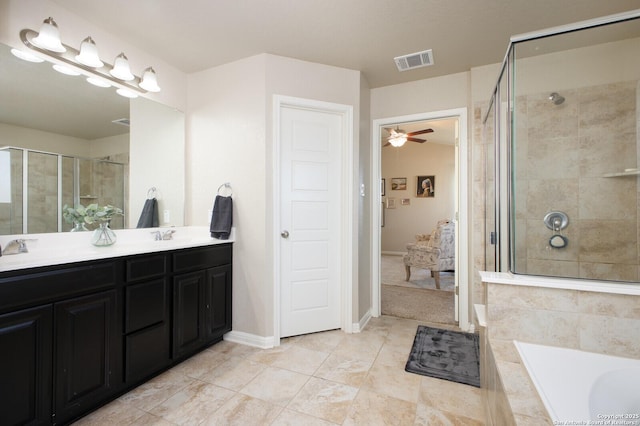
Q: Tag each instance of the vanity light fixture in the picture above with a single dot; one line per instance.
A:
(121, 68)
(85, 61)
(149, 81)
(49, 37)
(89, 54)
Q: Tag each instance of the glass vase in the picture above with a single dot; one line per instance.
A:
(78, 227)
(103, 235)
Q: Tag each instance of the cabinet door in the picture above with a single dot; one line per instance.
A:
(87, 365)
(218, 302)
(188, 313)
(25, 366)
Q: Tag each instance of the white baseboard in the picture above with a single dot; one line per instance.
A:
(360, 325)
(250, 339)
(394, 253)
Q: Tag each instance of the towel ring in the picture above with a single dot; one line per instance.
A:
(225, 185)
(151, 193)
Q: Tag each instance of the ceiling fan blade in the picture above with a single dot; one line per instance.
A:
(416, 140)
(420, 132)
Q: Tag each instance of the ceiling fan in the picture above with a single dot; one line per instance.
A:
(398, 137)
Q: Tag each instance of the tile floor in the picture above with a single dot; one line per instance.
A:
(325, 378)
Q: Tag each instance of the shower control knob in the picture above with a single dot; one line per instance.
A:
(284, 234)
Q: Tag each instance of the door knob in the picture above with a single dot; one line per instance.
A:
(284, 234)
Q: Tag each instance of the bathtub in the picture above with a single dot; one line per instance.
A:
(580, 387)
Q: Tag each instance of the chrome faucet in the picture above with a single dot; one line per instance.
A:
(16, 246)
(160, 236)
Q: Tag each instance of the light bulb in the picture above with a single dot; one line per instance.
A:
(121, 69)
(149, 80)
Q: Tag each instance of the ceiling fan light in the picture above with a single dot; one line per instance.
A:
(49, 37)
(397, 141)
(26, 56)
(149, 80)
(89, 54)
(62, 69)
(121, 68)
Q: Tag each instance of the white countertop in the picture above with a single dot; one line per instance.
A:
(69, 247)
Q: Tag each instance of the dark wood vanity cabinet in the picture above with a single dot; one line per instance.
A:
(73, 337)
(202, 299)
(25, 366)
(87, 347)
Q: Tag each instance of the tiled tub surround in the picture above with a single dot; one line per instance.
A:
(535, 310)
(67, 247)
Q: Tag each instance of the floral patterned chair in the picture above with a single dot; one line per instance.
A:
(435, 252)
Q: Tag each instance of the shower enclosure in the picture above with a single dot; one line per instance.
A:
(36, 185)
(561, 153)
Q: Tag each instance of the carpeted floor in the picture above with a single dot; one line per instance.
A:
(416, 299)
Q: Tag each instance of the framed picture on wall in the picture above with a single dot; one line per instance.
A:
(398, 184)
(426, 186)
(382, 186)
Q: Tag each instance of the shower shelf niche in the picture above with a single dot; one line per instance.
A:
(629, 172)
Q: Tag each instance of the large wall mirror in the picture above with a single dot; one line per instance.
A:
(65, 141)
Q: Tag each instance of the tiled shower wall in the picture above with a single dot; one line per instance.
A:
(562, 152)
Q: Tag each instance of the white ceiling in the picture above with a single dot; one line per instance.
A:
(365, 35)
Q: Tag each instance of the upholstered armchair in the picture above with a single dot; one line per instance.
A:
(435, 252)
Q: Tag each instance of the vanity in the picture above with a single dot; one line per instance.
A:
(81, 325)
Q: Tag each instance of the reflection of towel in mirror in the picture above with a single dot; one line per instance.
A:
(149, 216)
(221, 218)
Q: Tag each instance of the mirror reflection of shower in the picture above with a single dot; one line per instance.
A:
(556, 98)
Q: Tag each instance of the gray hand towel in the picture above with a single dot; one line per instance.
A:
(149, 216)
(221, 217)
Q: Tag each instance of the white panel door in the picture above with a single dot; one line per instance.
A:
(310, 159)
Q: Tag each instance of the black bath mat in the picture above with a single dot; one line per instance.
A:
(445, 354)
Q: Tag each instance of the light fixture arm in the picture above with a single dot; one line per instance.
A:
(26, 35)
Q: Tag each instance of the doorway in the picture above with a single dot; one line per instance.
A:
(459, 215)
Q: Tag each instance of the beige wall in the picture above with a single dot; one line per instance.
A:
(229, 131)
(422, 214)
(22, 137)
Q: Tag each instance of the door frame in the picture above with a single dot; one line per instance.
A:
(346, 200)
(463, 280)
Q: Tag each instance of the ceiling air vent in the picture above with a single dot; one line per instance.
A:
(122, 122)
(414, 60)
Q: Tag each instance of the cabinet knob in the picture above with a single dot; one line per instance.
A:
(284, 234)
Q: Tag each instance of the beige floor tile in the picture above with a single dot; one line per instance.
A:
(349, 371)
(275, 385)
(117, 413)
(234, 373)
(429, 416)
(387, 377)
(371, 409)
(151, 420)
(233, 349)
(452, 397)
(292, 418)
(243, 410)
(324, 399)
(299, 359)
(322, 342)
(193, 404)
(200, 364)
(364, 346)
(156, 390)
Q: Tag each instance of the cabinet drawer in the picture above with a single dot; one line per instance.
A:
(146, 267)
(145, 304)
(37, 288)
(202, 258)
(146, 352)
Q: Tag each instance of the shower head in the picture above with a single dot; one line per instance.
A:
(556, 98)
